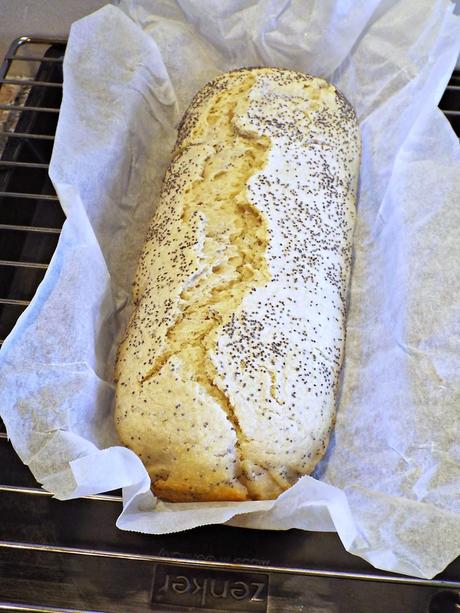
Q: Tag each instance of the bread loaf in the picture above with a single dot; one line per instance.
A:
(227, 373)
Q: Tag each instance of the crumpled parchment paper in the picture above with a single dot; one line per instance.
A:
(390, 483)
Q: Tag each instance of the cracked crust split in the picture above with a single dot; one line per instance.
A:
(230, 262)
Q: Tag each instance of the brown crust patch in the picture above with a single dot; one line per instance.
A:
(175, 490)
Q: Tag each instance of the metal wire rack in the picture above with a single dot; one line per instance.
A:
(57, 557)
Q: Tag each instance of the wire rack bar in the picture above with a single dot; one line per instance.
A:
(24, 195)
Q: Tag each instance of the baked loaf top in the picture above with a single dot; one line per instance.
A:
(226, 376)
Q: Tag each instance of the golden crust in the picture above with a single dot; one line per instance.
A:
(179, 491)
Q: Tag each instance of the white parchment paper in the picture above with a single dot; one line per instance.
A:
(390, 484)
